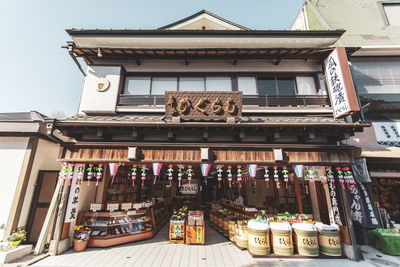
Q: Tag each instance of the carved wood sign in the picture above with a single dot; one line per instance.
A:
(203, 105)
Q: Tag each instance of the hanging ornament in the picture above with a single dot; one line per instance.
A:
(266, 175)
(156, 171)
(285, 175)
(99, 174)
(205, 168)
(189, 172)
(143, 170)
(310, 174)
(62, 175)
(298, 169)
(322, 175)
(70, 173)
(81, 173)
(229, 171)
(348, 177)
(239, 175)
(180, 173)
(331, 177)
(113, 170)
(90, 173)
(170, 171)
(351, 178)
(133, 174)
(276, 177)
(340, 176)
(219, 174)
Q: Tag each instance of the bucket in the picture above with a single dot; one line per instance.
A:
(258, 241)
(241, 236)
(307, 242)
(282, 242)
(232, 230)
(329, 243)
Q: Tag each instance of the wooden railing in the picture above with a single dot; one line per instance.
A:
(250, 100)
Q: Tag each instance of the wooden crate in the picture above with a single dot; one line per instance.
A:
(177, 231)
(195, 235)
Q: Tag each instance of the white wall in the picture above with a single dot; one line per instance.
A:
(93, 101)
(44, 159)
(12, 152)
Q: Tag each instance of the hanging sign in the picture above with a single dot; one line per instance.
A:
(372, 221)
(357, 213)
(189, 189)
(340, 84)
(335, 217)
(156, 171)
(387, 133)
(73, 198)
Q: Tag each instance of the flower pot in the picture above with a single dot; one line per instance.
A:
(80, 245)
(14, 243)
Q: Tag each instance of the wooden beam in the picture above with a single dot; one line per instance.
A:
(298, 192)
(276, 63)
(314, 201)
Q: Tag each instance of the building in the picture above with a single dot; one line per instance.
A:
(29, 169)
(376, 71)
(205, 90)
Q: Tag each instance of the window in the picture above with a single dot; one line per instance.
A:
(286, 86)
(248, 85)
(392, 11)
(191, 84)
(306, 85)
(161, 84)
(218, 84)
(137, 85)
(266, 86)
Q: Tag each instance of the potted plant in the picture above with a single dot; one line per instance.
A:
(16, 238)
(81, 237)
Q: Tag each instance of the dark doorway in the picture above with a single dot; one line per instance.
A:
(43, 193)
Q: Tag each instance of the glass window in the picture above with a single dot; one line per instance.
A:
(191, 84)
(218, 84)
(137, 85)
(392, 11)
(161, 84)
(248, 85)
(266, 86)
(286, 86)
(306, 86)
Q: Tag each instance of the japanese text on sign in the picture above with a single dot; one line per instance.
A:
(73, 200)
(335, 205)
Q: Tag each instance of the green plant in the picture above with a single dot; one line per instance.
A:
(81, 233)
(19, 235)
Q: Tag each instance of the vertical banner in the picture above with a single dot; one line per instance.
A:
(340, 83)
(334, 216)
(357, 212)
(205, 168)
(372, 220)
(252, 170)
(298, 169)
(73, 198)
(113, 170)
(156, 170)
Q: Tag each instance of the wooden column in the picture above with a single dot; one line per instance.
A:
(314, 201)
(298, 193)
(329, 203)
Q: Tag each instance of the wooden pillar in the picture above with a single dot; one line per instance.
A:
(329, 203)
(314, 201)
(298, 193)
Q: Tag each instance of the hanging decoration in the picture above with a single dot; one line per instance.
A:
(239, 175)
(340, 176)
(156, 171)
(133, 174)
(266, 175)
(298, 169)
(170, 171)
(70, 173)
(205, 168)
(113, 170)
(229, 171)
(180, 173)
(351, 178)
(252, 172)
(310, 174)
(285, 175)
(90, 173)
(189, 172)
(219, 174)
(81, 173)
(143, 170)
(276, 177)
(62, 175)
(321, 174)
(99, 173)
(331, 177)
(348, 177)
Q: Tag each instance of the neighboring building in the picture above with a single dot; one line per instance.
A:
(374, 27)
(29, 172)
(206, 90)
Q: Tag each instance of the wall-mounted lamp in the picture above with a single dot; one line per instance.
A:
(99, 54)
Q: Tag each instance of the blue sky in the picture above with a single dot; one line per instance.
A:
(37, 74)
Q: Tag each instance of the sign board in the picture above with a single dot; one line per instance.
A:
(193, 189)
(95, 207)
(387, 133)
(73, 199)
(112, 206)
(126, 206)
(340, 84)
(203, 105)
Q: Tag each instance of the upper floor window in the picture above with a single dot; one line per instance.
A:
(392, 11)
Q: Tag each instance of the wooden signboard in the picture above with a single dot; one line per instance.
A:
(203, 105)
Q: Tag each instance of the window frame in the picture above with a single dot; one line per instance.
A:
(381, 7)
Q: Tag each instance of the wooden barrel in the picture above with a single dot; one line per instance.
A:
(282, 242)
(241, 236)
(329, 243)
(226, 227)
(258, 241)
(232, 230)
(307, 242)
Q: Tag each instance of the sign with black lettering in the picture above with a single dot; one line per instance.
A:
(189, 190)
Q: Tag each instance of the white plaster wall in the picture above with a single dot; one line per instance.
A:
(12, 152)
(93, 101)
(45, 159)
